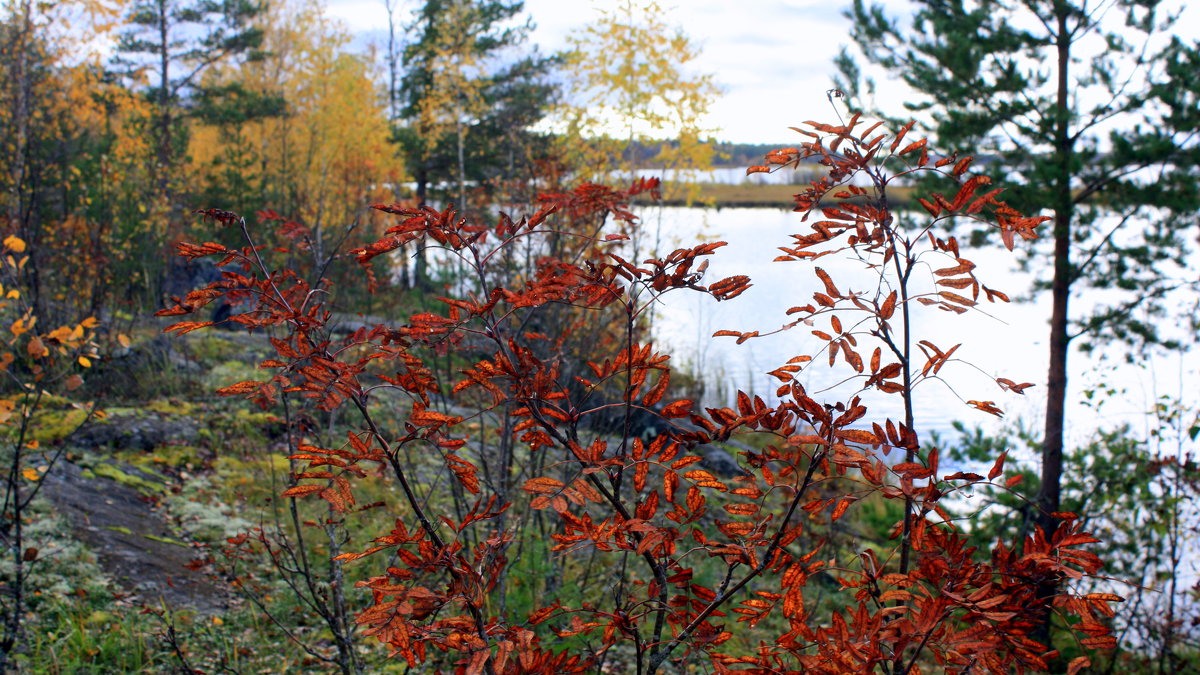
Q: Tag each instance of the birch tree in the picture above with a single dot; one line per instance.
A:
(633, 83)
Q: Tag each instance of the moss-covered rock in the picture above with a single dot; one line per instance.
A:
(143, 481)
(106, 508)
(137, 430)
(54, 426)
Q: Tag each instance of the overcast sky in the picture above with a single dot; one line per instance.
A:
(773, 58)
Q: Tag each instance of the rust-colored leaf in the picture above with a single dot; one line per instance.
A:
(998, 467)
(699, 476)
(302, 490)
(245, 387)
(680, 408)
(830, 288)
(742, 509)
(1077, 664)
(987, 407)
(840, 509)
(889, 306)
(542, 485)
(955, 297)
(858, 436)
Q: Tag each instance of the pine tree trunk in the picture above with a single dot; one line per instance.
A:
(1049, 498)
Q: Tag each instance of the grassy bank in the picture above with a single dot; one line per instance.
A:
(754, 195)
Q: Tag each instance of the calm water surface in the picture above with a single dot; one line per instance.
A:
(1008, 341)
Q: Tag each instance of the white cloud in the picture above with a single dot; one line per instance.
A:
(774, 58)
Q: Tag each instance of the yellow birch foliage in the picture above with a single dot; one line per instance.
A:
(630, 72)
(110, 227)
(455, 93)
(330, 154)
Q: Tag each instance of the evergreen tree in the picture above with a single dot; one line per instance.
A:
(1092, 110)
(467, 97)
(175, 41)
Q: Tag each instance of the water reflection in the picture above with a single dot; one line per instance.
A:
(1007, 341)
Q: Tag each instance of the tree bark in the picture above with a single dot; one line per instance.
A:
(1049, 498)
(420, 277)
(21, 83)
(164, 103)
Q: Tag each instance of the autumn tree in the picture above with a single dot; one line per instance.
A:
(453, 97)
(171, 43)
(454, 75)
(223, 115)
(31, 125)
(1091, 112)
(74, 159)
(632, 83)
(21, 55)
(37, 363)
(301, 131)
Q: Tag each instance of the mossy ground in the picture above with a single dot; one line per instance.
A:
(81, 620)
(223, 483)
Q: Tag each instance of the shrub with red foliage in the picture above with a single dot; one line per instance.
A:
(706, 570)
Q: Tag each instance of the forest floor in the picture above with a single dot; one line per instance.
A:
(136, 522)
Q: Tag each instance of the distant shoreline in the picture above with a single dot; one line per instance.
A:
(752, 195)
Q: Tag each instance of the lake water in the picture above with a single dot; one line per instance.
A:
(1009, 341)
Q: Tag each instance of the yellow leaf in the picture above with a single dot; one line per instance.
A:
(85, 362)
(14, 244)
(217, 621)
(13, 294)
(123, 339)
(30, 473)
(90, 322)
